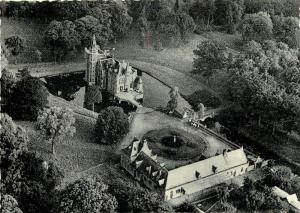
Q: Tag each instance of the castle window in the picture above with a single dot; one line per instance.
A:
(242, 169)
(171, 194)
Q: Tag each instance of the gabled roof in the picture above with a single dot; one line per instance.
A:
(291, 199)
(206, 167)
(149, 167)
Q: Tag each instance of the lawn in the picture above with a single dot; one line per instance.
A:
(175, 144)
(31, 31)
(74, 154)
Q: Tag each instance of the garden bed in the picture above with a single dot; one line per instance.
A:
(175, 144)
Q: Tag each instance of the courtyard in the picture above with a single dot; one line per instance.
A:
(147, 119)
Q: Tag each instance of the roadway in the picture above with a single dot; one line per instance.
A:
(40, 70)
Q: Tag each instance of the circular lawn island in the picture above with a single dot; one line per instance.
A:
(175, 144)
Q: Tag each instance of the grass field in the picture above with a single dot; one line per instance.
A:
(179, 59)
(32, 32)
(74, 155)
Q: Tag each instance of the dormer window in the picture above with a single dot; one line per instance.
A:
(214, 169)
(197, 174)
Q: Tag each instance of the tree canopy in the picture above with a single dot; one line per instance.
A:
(9, 204)
(56, 123)
(62, 37)
(8, 82)
(112, 125)
(229, 13)
(24, 175)
(203, 10)
(28, 97)
(108, 21)
(257, 27)
(211, 55)
(16, 44)
(87, 195)
(173, 102)
(259, 83)
(285, 30)
(136, 199)
(13, 141)
(173, 27)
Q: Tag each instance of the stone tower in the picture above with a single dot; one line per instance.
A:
(93, 54)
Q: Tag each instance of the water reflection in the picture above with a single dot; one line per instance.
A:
(72, 88)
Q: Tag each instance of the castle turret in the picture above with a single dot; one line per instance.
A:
(92, 58)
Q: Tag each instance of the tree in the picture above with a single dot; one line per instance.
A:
(135, 8)
(185, 23)
(32, 181)
(8, 82)
(229, 13)
(273, 7)
(24, 175)
(167, 29)
(154, 8)
(173, 102)
(119, 18)
(203, 10)
(62, 37)
(112, 125)
(172, 28)
(16, 44)
(13, 142)
(143, 27)
(132, 198)
(282, 178)
(211, 55)
(87, 195)
(93, 95)
(285, 29)
(55, 124)
(68, 10)
(88, 26)
(257, 27)
(259, 84)
(28, 97)
(9, 204)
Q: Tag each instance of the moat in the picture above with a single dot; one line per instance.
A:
(72, 89)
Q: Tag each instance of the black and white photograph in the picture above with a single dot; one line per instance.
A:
(150, 106)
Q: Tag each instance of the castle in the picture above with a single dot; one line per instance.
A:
(179, 182)
(119, 79)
